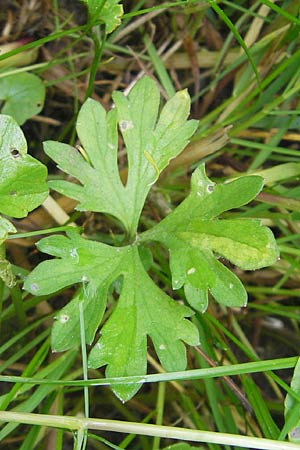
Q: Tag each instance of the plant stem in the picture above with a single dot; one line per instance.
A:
(183, 434)
(195, 374)
(159, 412)
(82, 445)
(98, 50)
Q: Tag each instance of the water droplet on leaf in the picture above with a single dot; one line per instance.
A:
(73, 253)
(63, 318)
(34, 287)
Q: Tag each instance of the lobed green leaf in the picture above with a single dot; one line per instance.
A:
(107, 11)
(193, 234)
(150, 143)
(142, 309)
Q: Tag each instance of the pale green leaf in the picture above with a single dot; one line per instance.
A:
(107, 11)
(200, 273)
(81, 261)
(151, 146)
(197, 298)
(208, 200)
(246, 243)
(101, 189)
(22, 178)
(142, 309)
(23, 94)
(65, 331)
(93, 265)
(151, 141)
(11, 137)
(193, 234)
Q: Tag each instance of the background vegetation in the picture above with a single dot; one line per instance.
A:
(240, 64)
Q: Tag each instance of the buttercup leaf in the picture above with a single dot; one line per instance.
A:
(151, 142)
(22, 178)
(193, 234)
(142, 309)
(107, 11)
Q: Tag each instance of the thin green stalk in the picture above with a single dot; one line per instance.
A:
(84, 359)
(98, 51)
(42, 232)
(237, 35)
(159, 67)
(84, 368)
(281, 11)
(196, 374)
(38, 42)
(183, 434)
(212, 391)
(164, 6)
(159, 412)
(105, 441)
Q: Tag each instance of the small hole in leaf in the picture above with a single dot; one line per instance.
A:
(13, 193)
(38, 105)
(14, 152)
(210, 188)
(125, 125)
